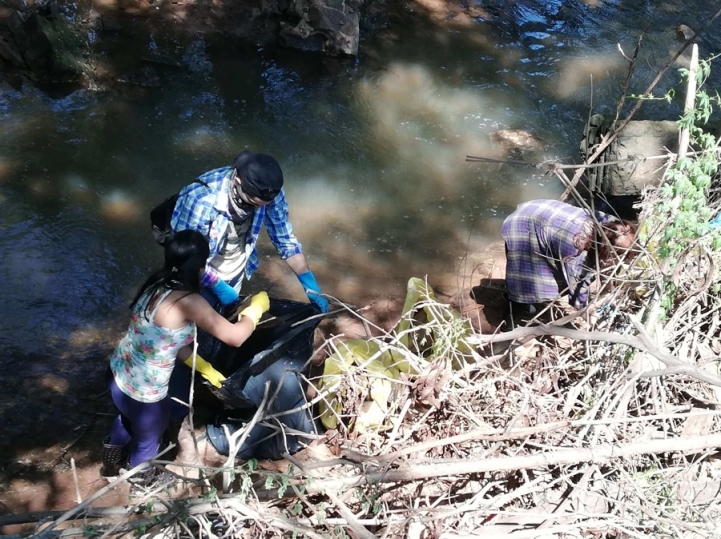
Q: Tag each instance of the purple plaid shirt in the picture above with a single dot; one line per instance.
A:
(544, 259)
(205, 208)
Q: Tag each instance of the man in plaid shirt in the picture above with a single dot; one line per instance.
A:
(547, 243)
(229, 206)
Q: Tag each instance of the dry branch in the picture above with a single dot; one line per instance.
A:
(450, 468)
(642, 342)
(475, 435)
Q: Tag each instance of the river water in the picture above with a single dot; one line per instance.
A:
(373, 150)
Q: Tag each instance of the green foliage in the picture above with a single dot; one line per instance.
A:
(281, 481)
(210, 494)
(340, 533)
(667, 97)
(91, 532)
(321, 514)
(370, 498)
(682, 212)
(284, 483)
(269, 482)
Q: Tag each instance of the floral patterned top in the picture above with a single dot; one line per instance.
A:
(145, 357)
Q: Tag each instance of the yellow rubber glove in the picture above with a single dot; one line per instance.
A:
(206, 370)
(258, 305)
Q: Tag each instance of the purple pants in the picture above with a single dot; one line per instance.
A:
(140, 425)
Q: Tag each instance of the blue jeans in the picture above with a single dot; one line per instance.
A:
(285, 392)
(270, 439)
(140, 425)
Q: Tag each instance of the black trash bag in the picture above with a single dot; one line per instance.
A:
(277, 355)
(286, 330)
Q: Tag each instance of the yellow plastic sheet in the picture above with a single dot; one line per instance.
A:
(363, 367)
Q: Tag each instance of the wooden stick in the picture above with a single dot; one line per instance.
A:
(358, 528)
(474, 435)
(70, 514)
(642, 342)
(78, 497)
(448, 468)
(234, 444)
(684, 136)
(37, 516)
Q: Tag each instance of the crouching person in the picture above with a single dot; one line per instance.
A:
(550, 249)
(166, 311)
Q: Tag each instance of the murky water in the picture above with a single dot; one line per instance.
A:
(373, 150)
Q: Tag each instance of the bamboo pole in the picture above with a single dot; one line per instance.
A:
(683, 138)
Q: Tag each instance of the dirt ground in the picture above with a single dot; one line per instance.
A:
(54, 445)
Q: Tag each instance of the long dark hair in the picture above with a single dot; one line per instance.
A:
(185, 256)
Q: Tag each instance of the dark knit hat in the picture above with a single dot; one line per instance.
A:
(260, 175)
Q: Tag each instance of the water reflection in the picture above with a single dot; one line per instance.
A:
(373, 151)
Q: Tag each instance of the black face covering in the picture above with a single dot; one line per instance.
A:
(239, 209)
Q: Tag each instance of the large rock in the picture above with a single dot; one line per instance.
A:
(328, 26)
(40, 43)
(636, 157)
(22, 42)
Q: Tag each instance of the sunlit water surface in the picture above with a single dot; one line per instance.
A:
(373, 150)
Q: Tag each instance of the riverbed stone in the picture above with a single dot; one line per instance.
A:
(516, 144)
(40, 44)
(636, 157)
(328, 26)
(25, 44)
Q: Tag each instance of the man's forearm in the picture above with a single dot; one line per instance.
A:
(298, 264)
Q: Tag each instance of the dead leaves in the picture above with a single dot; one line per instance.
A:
(426, 389)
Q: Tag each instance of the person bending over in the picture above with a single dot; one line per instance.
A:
(547, 252)
(165, 313)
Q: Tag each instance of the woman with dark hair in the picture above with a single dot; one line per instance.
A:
(549, 246)
(166, 311)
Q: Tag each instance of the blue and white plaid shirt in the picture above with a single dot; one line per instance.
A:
(205, 208)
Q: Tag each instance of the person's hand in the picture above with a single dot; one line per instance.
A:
(206, 370)
(312, 290)
(225, 293)
(258, 305)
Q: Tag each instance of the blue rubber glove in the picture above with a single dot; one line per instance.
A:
(311, 288)
(715, 222)
(225, 293)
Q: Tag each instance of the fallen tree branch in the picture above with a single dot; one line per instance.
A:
(474, 435)
(643, 342)
(456, 467)
(358, 528)
(37, 516)
(70, 514)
